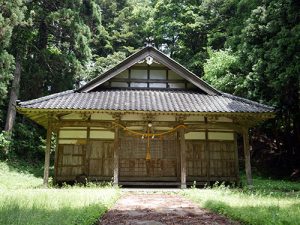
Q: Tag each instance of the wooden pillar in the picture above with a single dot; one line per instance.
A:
(183, 157)
(47, 153)
(247, 156)
(116, 156)
(178, 156)
(236, 158)
(207, 152)
(56, 154)
(88, 149)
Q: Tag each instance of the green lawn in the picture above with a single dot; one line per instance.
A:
(268, 202)
(16, 176)
(24, 201)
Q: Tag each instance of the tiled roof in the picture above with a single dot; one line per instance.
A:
(146, 100)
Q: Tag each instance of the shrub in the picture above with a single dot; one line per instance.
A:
(4, 143)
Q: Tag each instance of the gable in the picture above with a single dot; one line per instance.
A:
(144, 76)
(136, 72)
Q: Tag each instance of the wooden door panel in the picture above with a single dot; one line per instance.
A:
(101, 158)
(133, 163)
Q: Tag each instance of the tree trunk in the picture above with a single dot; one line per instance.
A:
(247, 157)
(14, 92)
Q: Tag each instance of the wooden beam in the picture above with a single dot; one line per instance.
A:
(183, 157)
(125, 80)
(116, 154)
(247, 156)
(80, 123)
(47, 153)
(190, 125)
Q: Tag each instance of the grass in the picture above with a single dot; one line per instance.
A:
(16, 175)
(55, 206)
(268, 202)
(24, 201)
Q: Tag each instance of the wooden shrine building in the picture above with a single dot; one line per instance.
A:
(148, 120)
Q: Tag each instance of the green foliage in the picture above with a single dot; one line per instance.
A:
(64, 34)
(180, 29)
(11, 15)
(27, 144)
(268, 202)
(269, 50)
(103, 64)
(222, 71)
(4, 143)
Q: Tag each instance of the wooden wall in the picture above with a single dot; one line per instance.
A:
(101, 159)
(70, 161)
(218, 163)
(210, 156)
(144, 76)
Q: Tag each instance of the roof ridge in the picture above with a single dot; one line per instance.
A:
(244, 100)
(47, 97)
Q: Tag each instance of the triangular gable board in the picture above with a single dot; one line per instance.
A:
(133, 73)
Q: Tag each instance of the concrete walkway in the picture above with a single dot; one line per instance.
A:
(159, 209)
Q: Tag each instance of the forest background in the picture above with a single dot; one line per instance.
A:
(249, 48)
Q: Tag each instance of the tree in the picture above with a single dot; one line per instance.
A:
(270, 50)
(103, 64)
(51, 49)
(222, 71)
(11, 14)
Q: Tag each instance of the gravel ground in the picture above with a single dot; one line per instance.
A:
(159, 209)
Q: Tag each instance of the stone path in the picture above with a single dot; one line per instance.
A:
(159, 209)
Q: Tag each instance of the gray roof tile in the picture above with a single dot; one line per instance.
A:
(146, 100)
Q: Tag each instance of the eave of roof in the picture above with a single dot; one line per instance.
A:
(146, 100)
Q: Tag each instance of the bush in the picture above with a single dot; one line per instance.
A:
(4, 143)
(27, 143)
